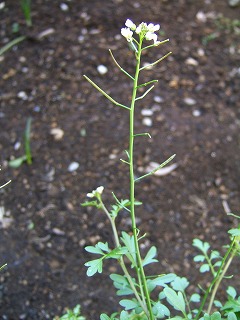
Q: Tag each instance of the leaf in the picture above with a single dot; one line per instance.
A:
(150, 256)
(204, 268)
(161, 280)
(16, 163)
(124, 315)
(128, 304)
(232, 316)
(94, 266)
(232, 305)
(195, 297)
(217, 304)
(103, 246)
(202, 246)
(129, 243)
(199, 258)
(231, 292)
(234, 232)
(175, 299)
(160, 310)
(215, 255)
(95, 250)
(117, 253)
(103, 316)
(180, 284)
(216, 316)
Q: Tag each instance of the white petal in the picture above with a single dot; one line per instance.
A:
(130, 24)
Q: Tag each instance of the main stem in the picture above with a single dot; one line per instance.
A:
(140, 269)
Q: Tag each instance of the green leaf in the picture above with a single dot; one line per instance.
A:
(202, 246)
(16, 163)
(231, 292)
(232, 305)
(204, 268)
(103, 316)
(150, 256)
(216, 316)
(180, 284)
(128, 304)
(103, 246)
(195, 297)
(129, 243)
(215, 255)
(217, 303)
(95, 250)
(160, 310)
(175, 299)
(199, 258)
(117, 253)
(232, 316)
(94, 266)
(234, 232)
(124, 315)
(161, 280)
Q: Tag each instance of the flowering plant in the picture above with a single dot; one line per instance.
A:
(172, 300)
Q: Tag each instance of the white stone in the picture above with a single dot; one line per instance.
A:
(57, 133)
(158, 99)
(102, 69)
(191, 62)
(196, 113)
(146, 112)
(73, 166)
(200, 52)
(190, 101)
(64, 7)
(22, 95)
(147, 122)
(201, 16)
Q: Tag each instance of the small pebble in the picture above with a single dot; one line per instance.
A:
(36, 108)
(17, 145)
(57, 133)
(102, 69)
(64, 7)
(147, 122)
(191, 62)
(201, 16)
(73, 166)
(22, 95)
(200, 52)
(147, 112)
(190, 101)
(81, 38)
(158, 99)
(2, 5)
(196, 113)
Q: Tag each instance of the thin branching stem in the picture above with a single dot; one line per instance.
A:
(105, 94)
(121, 261)
(142, 277)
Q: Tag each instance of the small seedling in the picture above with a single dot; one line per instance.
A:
(27, 157)
(26, 8)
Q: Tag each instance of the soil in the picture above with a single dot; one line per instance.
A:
(195, 115)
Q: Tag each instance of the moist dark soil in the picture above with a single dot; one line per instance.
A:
(192, 112)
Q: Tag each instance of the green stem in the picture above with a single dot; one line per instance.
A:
(121, 261)
(143, 283)
(215, 279)
(220, 278)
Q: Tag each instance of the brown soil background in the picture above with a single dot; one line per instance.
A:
(43, 227)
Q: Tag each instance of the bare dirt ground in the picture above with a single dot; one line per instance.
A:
(195, 115)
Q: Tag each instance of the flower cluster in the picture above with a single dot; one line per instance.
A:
(144, 30)
(96, 192)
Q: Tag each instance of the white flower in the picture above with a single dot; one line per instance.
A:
(151, 36)
(127, 33)
(94, 193)
(142, 26)
(130, 24)
(153, 28)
